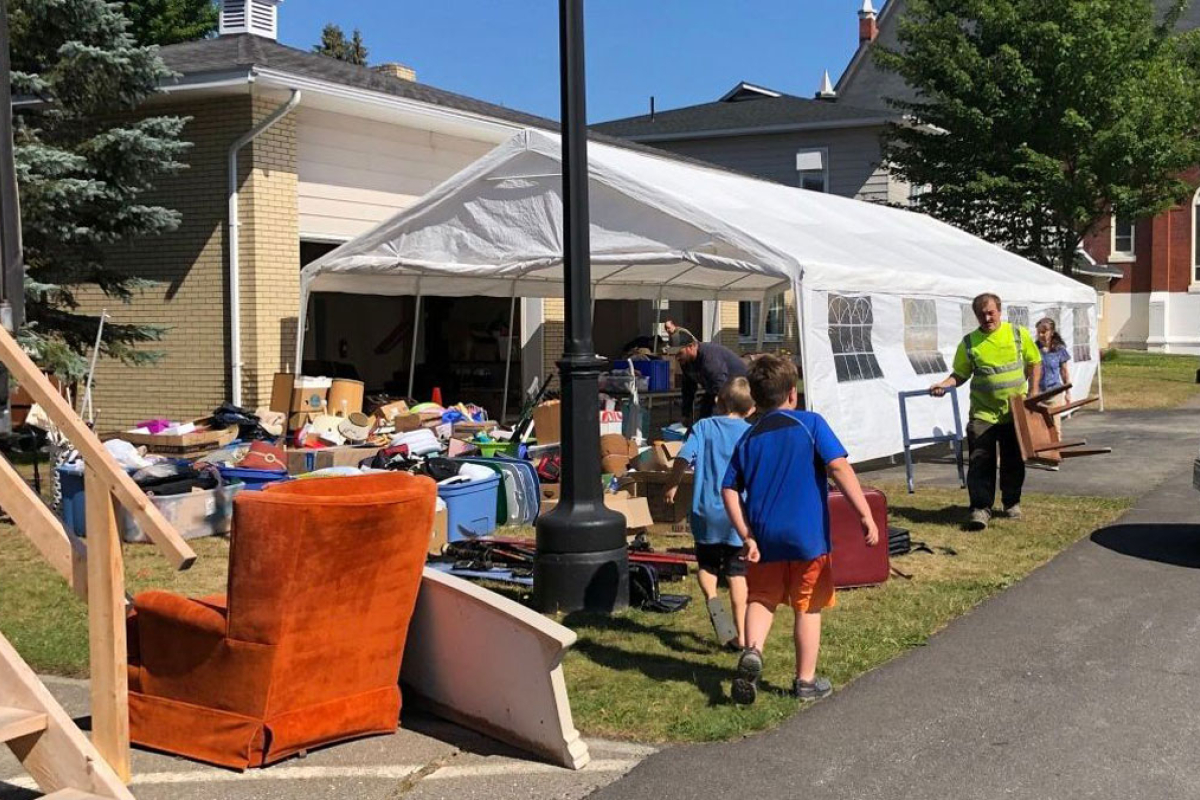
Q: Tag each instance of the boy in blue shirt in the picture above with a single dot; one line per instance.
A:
(718, 549)
(776, 492)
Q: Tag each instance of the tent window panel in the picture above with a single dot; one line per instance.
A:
(1082, 335)
(921, 337)
(1055, 316)
(969, 323)
(850, 321)
(748, 319)
(1019, 315)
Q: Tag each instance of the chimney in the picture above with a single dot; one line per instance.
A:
(258, 17)
(395, 70)
(826, 91)
(868, 27)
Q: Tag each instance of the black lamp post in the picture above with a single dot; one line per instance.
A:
(581, 559)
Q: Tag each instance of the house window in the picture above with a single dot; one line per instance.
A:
(921, 337)
(1123, 231)
(1195, 238)
(812, 166)
(748, 320)
(1082, 335)
(1019, 315)
(850, 322)
(969, 322)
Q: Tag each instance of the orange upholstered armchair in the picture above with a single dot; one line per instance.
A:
(305, 648)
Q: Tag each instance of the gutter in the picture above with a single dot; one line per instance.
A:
(863, 122)
(235, 309)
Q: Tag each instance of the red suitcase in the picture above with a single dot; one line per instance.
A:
(855, 564)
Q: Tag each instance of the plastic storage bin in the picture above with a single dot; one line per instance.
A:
(194, 515)
(470, 508)
(658, 372)
(254, 479)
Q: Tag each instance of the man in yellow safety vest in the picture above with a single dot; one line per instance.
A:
(1002, 361)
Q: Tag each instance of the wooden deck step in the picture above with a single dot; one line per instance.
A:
(72, 794)
(17, 722)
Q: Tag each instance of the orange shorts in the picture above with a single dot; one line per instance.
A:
(806, 586)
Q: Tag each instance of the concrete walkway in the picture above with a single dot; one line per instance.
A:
(1082, 681)
(426, 760)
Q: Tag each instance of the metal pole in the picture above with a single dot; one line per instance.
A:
(87, 390)
(512, 316)
(12, 264)
(412, 358)
(581, 560)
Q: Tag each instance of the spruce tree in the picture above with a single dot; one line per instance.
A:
(356, 53)
(335, 45)
(84, 165)
(166, 22)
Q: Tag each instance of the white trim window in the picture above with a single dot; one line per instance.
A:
(1081, 335)
(1124, 238)
(921, 337)
(850, 321)
(812, 169)
(1019, 315)
(1196, 238)
(748, 320)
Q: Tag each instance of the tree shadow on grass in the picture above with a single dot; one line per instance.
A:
(1178, 545)
(671, 638)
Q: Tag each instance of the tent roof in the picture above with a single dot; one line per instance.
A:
(661, 227)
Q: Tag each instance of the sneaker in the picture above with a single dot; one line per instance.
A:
(1013, 512)
(745, 685)
(980, 517)
(820, 687)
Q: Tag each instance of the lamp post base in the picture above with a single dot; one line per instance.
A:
(595, 581)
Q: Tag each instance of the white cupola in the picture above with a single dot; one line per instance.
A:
(258, 17)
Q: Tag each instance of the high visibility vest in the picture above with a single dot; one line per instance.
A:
(996, 381)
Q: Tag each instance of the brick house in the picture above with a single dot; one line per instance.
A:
(329, 149)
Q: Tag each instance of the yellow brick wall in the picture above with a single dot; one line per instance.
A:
(189, 298)
(553, 335)
(191, 264)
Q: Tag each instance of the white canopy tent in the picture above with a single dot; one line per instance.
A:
(883, 294)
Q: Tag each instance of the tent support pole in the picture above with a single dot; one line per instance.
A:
(512, 317)
(763, 307)
(301, 322)
(412, 358)
(657, 320)
(716, 318)
(802, 341)
(1100, 375)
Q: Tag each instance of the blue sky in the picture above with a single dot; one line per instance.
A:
(681, 51)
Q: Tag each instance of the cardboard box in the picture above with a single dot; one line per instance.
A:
(440, 534)
(659, 457)
(281, 393)
(635, 509)
(550, 491)
(467, 430)
(202, 439)
(547, 422)
(616, 465)
(310, 394)
(302, 460)
(652, 486)
(391, 410)
(406, 422)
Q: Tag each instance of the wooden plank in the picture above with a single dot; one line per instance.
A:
(106, 627)
(97, 457)
(1086, 451)
(1072, 406)
(17, 722)
(60, 549)
(72, 794)
(1061, 445)
(61, 756)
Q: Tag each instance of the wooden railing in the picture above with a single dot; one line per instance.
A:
(95, 572)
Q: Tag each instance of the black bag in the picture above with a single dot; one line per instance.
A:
(899, 541)
(644, 594)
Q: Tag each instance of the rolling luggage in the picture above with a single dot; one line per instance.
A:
(855, 564)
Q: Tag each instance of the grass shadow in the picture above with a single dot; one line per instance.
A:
(954, 516)
(685, 641)
(1178, 545)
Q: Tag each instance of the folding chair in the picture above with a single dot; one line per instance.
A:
(955, 438)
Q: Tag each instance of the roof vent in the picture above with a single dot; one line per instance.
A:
(826, 91)
(258, 17)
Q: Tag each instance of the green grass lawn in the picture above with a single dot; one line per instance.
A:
(643, 676)
(1135, 379)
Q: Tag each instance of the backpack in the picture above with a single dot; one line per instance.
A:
(644, 594)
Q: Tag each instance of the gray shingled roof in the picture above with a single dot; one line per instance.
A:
(245, 50)
(763, 112)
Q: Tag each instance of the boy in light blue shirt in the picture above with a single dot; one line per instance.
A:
(708, 450)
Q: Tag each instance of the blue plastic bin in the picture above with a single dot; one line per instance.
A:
(470, 508)
(254, 479)
(657, 372)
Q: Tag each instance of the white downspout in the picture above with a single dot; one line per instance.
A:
(235, 282)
